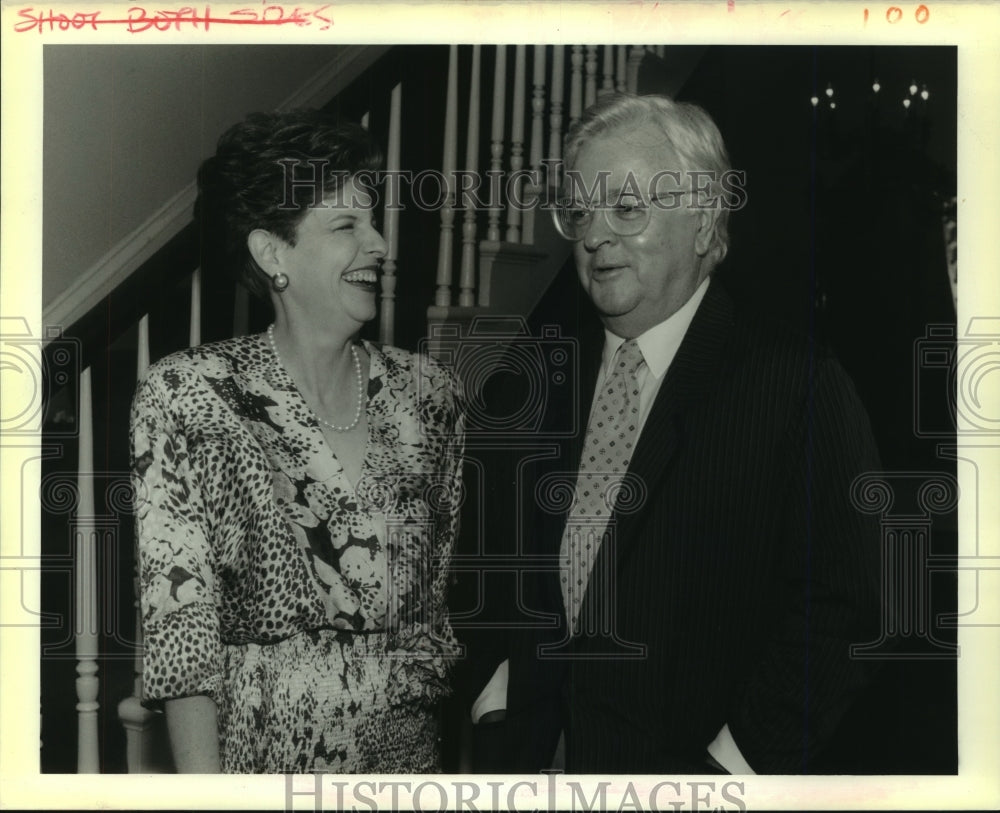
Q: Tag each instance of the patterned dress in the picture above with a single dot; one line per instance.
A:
(311, 611)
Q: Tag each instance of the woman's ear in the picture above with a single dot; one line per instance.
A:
(263, 246)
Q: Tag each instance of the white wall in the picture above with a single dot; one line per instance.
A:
(125, 127)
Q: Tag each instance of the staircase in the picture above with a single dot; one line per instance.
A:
(146, 297)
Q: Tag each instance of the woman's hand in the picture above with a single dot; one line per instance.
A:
(194, 734)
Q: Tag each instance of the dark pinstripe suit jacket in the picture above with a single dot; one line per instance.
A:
(731, 594)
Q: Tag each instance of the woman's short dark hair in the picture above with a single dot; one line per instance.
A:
(244, 185)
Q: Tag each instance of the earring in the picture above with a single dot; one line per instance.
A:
(279, 282)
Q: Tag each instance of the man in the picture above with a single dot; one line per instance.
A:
(711, 572)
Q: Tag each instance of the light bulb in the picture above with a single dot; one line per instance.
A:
(876, 87)
(913, 89)
(829, 90)
(833, 105)
(906, 102)
(814, 100)
(925, 94)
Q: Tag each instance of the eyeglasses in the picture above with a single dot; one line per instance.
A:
(624, 219)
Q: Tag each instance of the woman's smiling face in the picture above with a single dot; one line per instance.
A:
(333, 268)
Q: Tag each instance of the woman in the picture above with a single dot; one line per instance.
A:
(297, 489)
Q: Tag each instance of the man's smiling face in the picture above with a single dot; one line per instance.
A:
(638, 281)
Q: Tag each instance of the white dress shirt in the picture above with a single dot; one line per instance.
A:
(659, 345)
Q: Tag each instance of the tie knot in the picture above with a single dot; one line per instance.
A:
(628, 358)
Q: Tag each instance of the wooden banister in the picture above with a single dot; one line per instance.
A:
(575, 84)
(467, 280)
(85, 566)
(442, 296)
(387, 319)
(496, 137)
(590, 88)
(537, 135)
(135, 718)
(516, 148)
(194, 333)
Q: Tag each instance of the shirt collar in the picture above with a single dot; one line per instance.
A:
(660, 343)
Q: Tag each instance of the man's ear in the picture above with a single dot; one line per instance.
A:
(265, 249)
(708, 219)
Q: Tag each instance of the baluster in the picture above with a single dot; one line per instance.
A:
(590, 92)
(142, 352)
(634, 59)
(442, 296)
(87, 760)
(136, 719)
(467, 279)
(555, 111)
(537, 130)
(608, 71)
(575, 84)
(621, 72)
(141, 365)
(496, 145)
(241, 311)
(516, 148)
(387, 318)
(194, 334)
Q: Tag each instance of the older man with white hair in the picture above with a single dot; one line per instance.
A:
(712, 570)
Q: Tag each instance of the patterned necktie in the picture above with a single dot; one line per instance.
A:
(607, 452)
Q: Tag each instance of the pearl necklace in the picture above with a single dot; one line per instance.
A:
(357, 376)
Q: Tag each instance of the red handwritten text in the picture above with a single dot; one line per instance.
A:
(37, 20)
(894, 14)
(139, 19)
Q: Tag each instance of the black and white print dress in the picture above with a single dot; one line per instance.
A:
(311, 611)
